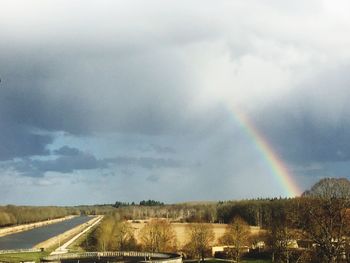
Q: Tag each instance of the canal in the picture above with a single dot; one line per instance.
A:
(30, 238)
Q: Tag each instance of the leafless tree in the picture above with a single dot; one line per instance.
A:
(326, 218)
(158, 236)
(201, 237)
(237, 235)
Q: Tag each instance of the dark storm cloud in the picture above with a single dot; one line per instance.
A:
(165, 75)
(60, 92)
(312, 126)
(67, 164)
(28, 104)
(20, 141)
(29, 97)
(63, 164)
(52, 91)
(71, 159)
(118, 80)
(304, 141)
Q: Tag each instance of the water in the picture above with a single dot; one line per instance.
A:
(30, 238)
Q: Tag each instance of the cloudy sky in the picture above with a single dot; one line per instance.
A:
(129, 100)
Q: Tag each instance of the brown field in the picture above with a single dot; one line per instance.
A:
(182, 228)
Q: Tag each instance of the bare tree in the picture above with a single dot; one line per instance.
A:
(124, 236)
(281, 238)
(158, 236)
(103, 234)
(200, 238)
(114, 234)
(236, 235)
(325, 214)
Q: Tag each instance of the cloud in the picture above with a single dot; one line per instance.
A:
(310, 124)
(67, 151)
(153, 178)
(144, 162)
(150, 82)
(162, 78)
(67, 164)
(63, 164)
(162, 149)
(18, 141)
(71, 159)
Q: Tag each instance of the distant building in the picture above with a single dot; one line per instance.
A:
(223, 250)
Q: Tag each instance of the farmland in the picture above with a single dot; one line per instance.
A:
(181, 230)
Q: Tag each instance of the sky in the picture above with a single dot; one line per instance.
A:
(104, 101)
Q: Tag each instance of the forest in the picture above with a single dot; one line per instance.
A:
(312, 228)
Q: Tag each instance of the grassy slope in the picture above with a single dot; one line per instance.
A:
(17, 257)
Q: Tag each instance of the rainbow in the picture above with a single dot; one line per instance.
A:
(278, 168)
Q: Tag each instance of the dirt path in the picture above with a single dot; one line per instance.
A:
(20, 228)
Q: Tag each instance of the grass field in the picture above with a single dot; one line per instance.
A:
(18, 257)
(77, 245)
(181, 231)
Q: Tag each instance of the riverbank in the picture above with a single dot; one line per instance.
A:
(56, 241)
(20, 228)
(65, 247)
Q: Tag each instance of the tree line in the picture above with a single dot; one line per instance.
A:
(15, 215)
(312, 228)
(149, 202)
(319, 221)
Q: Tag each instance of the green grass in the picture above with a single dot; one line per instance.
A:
(78, 245)
(26, 256)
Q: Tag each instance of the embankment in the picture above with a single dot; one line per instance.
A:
(64, 237)
(20, 228)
